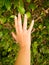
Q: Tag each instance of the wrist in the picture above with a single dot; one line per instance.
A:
(25, 47)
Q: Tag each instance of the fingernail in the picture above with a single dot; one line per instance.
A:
(25, 15)
(19, 14)
(15, 17)
(33, 20)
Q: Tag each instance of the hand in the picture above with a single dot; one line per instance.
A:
(23, 36)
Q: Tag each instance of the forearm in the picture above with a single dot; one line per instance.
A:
(23, 56)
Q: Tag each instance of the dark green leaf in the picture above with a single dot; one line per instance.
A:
(8, 4)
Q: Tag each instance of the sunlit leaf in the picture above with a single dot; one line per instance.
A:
(8, 4)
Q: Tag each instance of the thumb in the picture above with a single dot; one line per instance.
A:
(14, 36)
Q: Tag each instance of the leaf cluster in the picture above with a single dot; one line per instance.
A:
(34, 9)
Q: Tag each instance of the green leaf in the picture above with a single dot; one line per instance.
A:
(3, 20)
(35, 44)
(9, 49)
(2, 3)
(40, 26)
(32, 6)
(1, 34)
(35, 47)
(8, 4)
(28, 14)
(21, 3)
(28, 1)
(4, 53)
(21, 9)
(16, 3)
(12, 16)
(0, 26)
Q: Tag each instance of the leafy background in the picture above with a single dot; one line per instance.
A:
(35, 9)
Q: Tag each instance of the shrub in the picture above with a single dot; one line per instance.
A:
(35, 9)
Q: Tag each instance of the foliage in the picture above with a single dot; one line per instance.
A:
(35, 9)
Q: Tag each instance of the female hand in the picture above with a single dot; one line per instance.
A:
(23, 36)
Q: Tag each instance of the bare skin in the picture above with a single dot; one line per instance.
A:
(23, 37)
